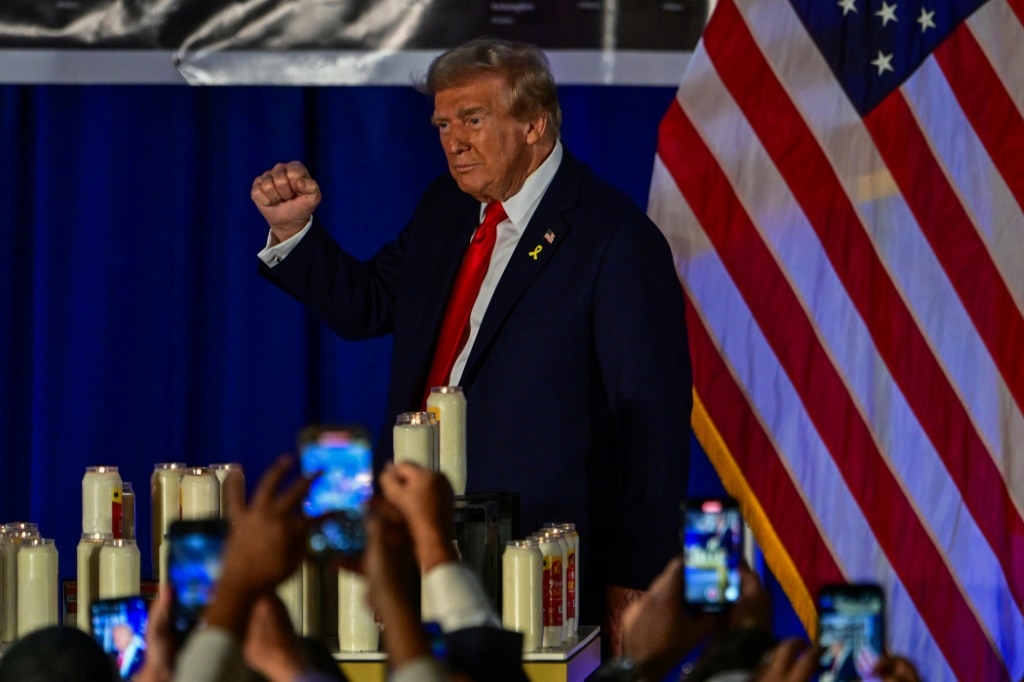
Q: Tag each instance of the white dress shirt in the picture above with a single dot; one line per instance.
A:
(519, 209)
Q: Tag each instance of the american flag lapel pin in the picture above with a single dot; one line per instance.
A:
(549, 237)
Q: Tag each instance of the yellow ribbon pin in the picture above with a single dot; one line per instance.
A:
(533, 254)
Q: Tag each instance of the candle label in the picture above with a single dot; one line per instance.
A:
(116, 519)
(570, 586)
(552, 591)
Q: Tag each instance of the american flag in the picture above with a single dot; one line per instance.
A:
(842, 184)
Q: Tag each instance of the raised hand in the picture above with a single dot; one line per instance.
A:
(286, 196)
(426, 501)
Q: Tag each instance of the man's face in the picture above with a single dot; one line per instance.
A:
(122, 637)
(489, 152)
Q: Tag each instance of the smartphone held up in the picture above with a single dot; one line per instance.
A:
(119, 625)
(712, 551)
(851, 622)
(342, 460)
(194, 561)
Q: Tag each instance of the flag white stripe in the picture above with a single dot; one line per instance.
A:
(777, 405)
(982, 190)
(994, 210)
(842, 332)
(891, 227)
(1000, 34)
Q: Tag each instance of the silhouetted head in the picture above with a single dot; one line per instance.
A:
(57, 654)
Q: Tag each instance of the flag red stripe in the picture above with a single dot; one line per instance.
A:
(899, 341)
(1000, 127)
(757, 457)
(1018, 8)
(966, 261)
(790, 334)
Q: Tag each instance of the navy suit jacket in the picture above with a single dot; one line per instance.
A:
(578, 386)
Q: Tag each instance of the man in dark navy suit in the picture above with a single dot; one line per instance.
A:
(572, 351)
(131, 651)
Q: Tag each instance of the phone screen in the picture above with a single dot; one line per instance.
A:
(850, 630)
(712, 549)
(193, 568)
(337, 499)
(119, 625)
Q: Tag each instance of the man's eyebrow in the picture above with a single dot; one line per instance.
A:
(461, 113)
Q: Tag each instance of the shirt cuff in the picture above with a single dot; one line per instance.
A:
(272, 255)
(453, 596)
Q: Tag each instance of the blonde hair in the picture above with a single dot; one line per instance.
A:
(525, 68)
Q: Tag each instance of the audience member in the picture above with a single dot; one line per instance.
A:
(658, 632)
(476, 646)
(411, 563)
(161, 649)
(409, 530)
(57, 654)
(266, 545)
(274, 652)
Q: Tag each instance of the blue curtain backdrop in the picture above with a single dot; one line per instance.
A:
(136, 329)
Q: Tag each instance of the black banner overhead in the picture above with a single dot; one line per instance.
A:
(341, 41)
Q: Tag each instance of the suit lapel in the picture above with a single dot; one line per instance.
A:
(545, 232)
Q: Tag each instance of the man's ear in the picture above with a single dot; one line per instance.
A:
(536, 128)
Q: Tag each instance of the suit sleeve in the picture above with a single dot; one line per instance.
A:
(641, 345)
(355, 298)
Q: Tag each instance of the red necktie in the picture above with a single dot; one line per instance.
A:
(454, 329)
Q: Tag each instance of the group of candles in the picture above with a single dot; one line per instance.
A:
(30, 598)
(540, 573)
(540, 586)
(28, 571)
(436, 439)
(108, 560)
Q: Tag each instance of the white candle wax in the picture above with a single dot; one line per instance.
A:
(101, 489)
(165, 503)
(119, 569)
(449, 405)
(357, 629)
(522, 606)
(414, 440)
(87, 579)
(37, 585)
(200, 494)
(12, 535)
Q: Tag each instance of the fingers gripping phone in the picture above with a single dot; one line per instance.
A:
(194, 564)
(342, 460)
(119, 625)
(851, 622)
(712, 551)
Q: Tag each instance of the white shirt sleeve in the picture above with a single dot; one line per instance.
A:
(272, 255)
(455, 599)
(210, 655)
